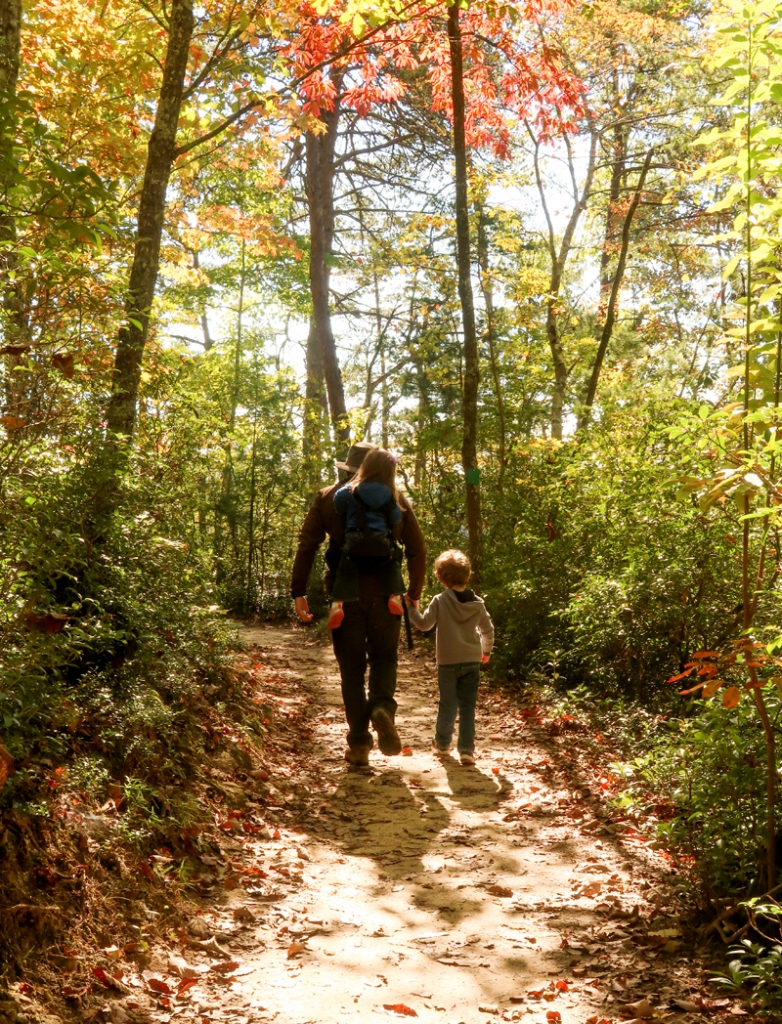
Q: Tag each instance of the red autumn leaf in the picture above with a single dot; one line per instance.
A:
(561, 986)
(681, 675)
(6, 765)
(706, 654)
(158, 985)
(554, 1016)
(499, 890)
(185, 984)
(400, 1009)
(407, 751)
(63, 361)
(731, 697)
(295, 948)
(12, 422)
(692, 689)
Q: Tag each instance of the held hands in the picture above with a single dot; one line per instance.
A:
(485, 658)
(410, 602)
(302, 608)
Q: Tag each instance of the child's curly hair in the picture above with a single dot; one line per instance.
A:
(452, 568)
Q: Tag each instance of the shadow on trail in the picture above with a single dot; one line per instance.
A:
(474, 790)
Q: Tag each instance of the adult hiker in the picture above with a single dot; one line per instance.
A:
(368, 634)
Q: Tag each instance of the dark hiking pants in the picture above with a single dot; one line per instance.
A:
(369, 635)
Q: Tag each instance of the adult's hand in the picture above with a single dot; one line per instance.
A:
(302, 608)
(409, 601)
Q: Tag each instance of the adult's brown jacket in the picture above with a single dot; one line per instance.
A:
(322, 521)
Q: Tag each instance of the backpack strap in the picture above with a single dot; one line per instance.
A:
(361, 513)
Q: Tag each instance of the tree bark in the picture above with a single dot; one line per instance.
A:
(609, 310)
(121, 415)
(316, 412)
(16, 340)
(488, 301)
(559, 255)
(319, 150)
(471, 380)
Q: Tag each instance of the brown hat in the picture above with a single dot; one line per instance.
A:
(356, 455)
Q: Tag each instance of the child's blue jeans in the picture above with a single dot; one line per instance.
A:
(458, 693)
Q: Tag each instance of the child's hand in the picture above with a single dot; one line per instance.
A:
(485, 658)
(409, 601)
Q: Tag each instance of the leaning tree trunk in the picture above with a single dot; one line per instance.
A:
(121, 415)
(320, 200)
(471, 369)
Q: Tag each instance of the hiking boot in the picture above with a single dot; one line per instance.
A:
(336, 615)
(387, 736)
(467, 759)
(395, 605)
(358, 756)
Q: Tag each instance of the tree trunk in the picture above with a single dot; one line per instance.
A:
(471, 368)
(609, 302)
(16, 340)
(121, 415)
(316, 412)
(319, 151)
(559, 256)
(488, 301)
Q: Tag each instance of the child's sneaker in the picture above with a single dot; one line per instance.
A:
(395, 605)
(467, 759)
(336, 615)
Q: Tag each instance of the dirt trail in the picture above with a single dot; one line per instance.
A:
(423, 888)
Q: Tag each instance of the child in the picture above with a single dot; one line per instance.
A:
(465, 637)
(372, 519)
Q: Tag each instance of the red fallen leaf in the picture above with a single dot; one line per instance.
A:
(75, 993)
(400, 1008)
(407, 751)
(185, 984)
(158, 985)
(145, 870)
(554, 1016)
(276, 834)
(295, 948)
(536, 993)
(499, 890)
(226, 966)
(108, 981)
(26, 988)
(561, 986)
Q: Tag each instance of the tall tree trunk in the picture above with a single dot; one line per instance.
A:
(609, 303)
(319, 150)
(559, 256)
(15, 338)
(121, 415)
(471, 369)
(488, 301)
(316, 412)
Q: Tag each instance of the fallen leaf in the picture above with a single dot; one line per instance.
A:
(554, 1016)
(407, 751)
(181, 967)
(686, 1004)
(226, 967)
(499, 890)
(244, 914)
(108, 981)
(400, 1009)
(643, 1009)
(295, 948)
(213, 946)
(185, 984)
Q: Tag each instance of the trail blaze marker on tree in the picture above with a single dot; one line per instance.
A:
(473, 476)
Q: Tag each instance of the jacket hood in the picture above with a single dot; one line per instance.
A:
(374, 494)
(463, 611)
